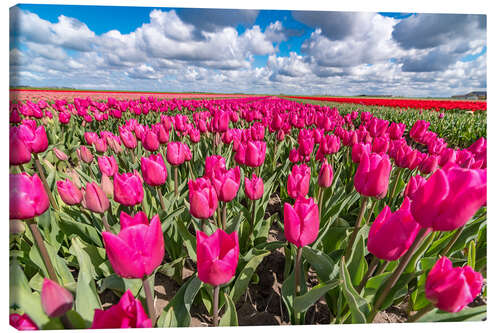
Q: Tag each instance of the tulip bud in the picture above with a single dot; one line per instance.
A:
(217, 256)
(100, 145)
(107, 186)
(60, 155)
(358, 149)
(298, 181)
(175, 153)
(27, 196)
(226, 183)
(154, 170)
(451, 289)
(429, 164)
(107, 165)
(69, 193)
(301, 221)
(84, 154)
(129, 221)
(56, 300)
(22, 322)
(202, 198)
(214, 163)
(95, 199)
(150, 141)
(413, 185)
(325, 177)
(254, 187)
(372, 176)
(127, 188)
(19, 151)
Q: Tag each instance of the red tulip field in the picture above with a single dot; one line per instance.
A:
(153, 210)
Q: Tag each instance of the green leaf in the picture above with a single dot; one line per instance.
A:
(357, 264)
(189, 239)
(471, 254)
(358, 305)
(303, 302)
(287, 293)
(230, 317)
(120, 285)
(321, 262)
(76, 320)
(241, 282)
(469, 314)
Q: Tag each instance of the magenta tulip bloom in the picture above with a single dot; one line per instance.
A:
(22, 322)
(298, 181)
(217, 256)
(418, 130)
(128, 138)
(254, 187)
(107, 165)
(60, 154)
(301, 221)
(449, 198)
(27, 196)
(137, 250)
(84, 154)
(325, 177)
(175, 153)
(95, 199)
(358, 149)
(100, 145)
(447, 155)
(202, 198)
(392, 234)
(429, 164)
(294, 156)
(56, 300)
(39, 143)
(19, 151)
(372, 176)
(226, 183)
(451, 289)
(127, 188)
(69, 193)
(251, 153)
(90, 137)
(413, 185)
(154, 170)
(396, 131)
(213, 163)
(128, 313)
(150, 141)
(380, 145)
(129, 221)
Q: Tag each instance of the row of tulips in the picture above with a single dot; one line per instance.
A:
(119, 218)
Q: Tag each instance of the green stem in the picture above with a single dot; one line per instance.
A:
(215, 306)
(372, 209)
(369, 273)
(224, 216)
(297, 279)
(149, 300)
(41, 173)
(381, 269)
(176, 182)
(420, 313)
(397, 273)
(37, 236)
(356, 227)
(320, 202)
(162, 203)
(393, 191)
(457, 234)
(105, 222)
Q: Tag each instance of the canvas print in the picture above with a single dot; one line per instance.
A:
(187, 167)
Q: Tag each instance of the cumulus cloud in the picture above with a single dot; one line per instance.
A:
(209, 19)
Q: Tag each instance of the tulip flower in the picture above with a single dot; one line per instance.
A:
(251, 153)
(392, 234)
(19, 151)
(419, 129)
(150, 141)
(429, 164)
(306, 146)
(202, 198)
(254, 187)
(298, 181)
(154, 170)
(217, 256)
(449, 198)
(128, 138)
(107, 165)
(301, 222)
(451, 289)
(69, 193)
(22, 322)
(175, 153)
(127, 188)
(129, 221)
(325, 176)
(372, 176)
(294, 156)
(358, 149)
(107, 186)
(380, 145)
(56, 300)
(137, 249)
(90, 137)
(226, 183)
(60, 155)
(100, 145)
(214, 163)
(396, 130)
(447, 155)
(95, 199)
(413, 185)
(27, 196)
(128, 313)
(84, 154)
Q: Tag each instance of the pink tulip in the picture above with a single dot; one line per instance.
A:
(418, 130)
(107, 186)
(447, 155)
(214, 163)
(202, 198)
(380, 145)
(69, 193)
(325, 177)
(429, 164)
(294, 156)
(129, 221)
(478, 146)
(392, 234)
(128, 313)
(372, 176)
(27, 196)
(154, 170)
(150, 141)
(301, 221)
(406, 157)
(22, 322)
(137, 249)
(413, 185)
(107, 165)
(95, 199)
(100, 145)
(127, 188)
(56, 300)
(84, 154)
(451, 289)
(60, 155)
(254, 187)
(298, 181)
(226, 183)
(19, 151)
(217, 256)
(90, 137)
(396, 131)
(358, 149)
(306, 145)
(251, 153)
(175, 153)
(128, 138)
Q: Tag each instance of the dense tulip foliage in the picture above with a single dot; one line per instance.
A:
(216, 203)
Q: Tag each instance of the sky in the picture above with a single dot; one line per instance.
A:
(247, 51)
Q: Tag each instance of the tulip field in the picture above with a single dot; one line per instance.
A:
(150, 211)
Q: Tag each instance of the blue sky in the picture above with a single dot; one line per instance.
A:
(252, 51)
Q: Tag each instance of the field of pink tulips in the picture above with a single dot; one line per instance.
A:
(155, 212)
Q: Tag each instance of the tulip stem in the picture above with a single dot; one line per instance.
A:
(382, 267)
(452, 241)
(66, 322)
(37, 236)
(372, 209)
(162, 203)
(176, 189)
(215, 306)
(224, 216)
(369, 273)
(297, 280)
(397, 273)
(149, 300)
(44, 181)
(395, 185)
(362, 210)
(107, 227)
(320, 202)
(420, 313)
